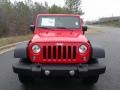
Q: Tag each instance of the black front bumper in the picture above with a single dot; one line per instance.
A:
(59, 70)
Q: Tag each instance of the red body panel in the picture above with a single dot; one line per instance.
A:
(53, 37)
(58, 36)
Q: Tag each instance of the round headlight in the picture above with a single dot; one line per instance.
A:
(83, 49)
(35, 48)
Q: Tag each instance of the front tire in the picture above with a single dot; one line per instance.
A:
(25, 80)
(91, 80)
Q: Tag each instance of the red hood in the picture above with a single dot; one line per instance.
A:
(58, 36)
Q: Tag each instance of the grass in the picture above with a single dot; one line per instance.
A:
(115, 24)
(14, 39)
(112, 23)
(92, 31)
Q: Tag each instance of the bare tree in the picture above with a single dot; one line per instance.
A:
(73, 6)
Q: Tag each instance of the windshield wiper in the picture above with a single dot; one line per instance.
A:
(56, 28)
(44, 27)
(62, 27)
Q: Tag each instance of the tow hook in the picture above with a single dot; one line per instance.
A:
(47, 72)
(72, 73)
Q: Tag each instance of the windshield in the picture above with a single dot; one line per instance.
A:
(62, 22)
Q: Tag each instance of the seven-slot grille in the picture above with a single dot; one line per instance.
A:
(59, 52)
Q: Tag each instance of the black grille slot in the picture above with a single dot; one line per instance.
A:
(64, 52)
(49, 52)
(69, 52)
(54, 52)
(44, 52)
(59, 52)
(74, 52)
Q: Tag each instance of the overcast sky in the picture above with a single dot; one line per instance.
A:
(93, 9)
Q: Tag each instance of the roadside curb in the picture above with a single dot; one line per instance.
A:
(9, 47)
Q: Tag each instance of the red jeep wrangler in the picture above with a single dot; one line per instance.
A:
(58, 48)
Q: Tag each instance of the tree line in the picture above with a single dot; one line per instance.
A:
(16, 17)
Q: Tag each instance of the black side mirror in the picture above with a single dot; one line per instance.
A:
(84, 28)
(32, 28)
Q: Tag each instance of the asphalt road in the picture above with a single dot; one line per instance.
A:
(108, 38)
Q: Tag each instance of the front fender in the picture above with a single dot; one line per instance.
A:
(97, 51)
(21, 50)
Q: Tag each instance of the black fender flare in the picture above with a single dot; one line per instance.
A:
(97, 51)
(21, 50)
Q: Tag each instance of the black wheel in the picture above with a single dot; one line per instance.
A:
(90, 80)
(25, 80)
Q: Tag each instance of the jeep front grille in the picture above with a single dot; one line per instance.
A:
(59, 52)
